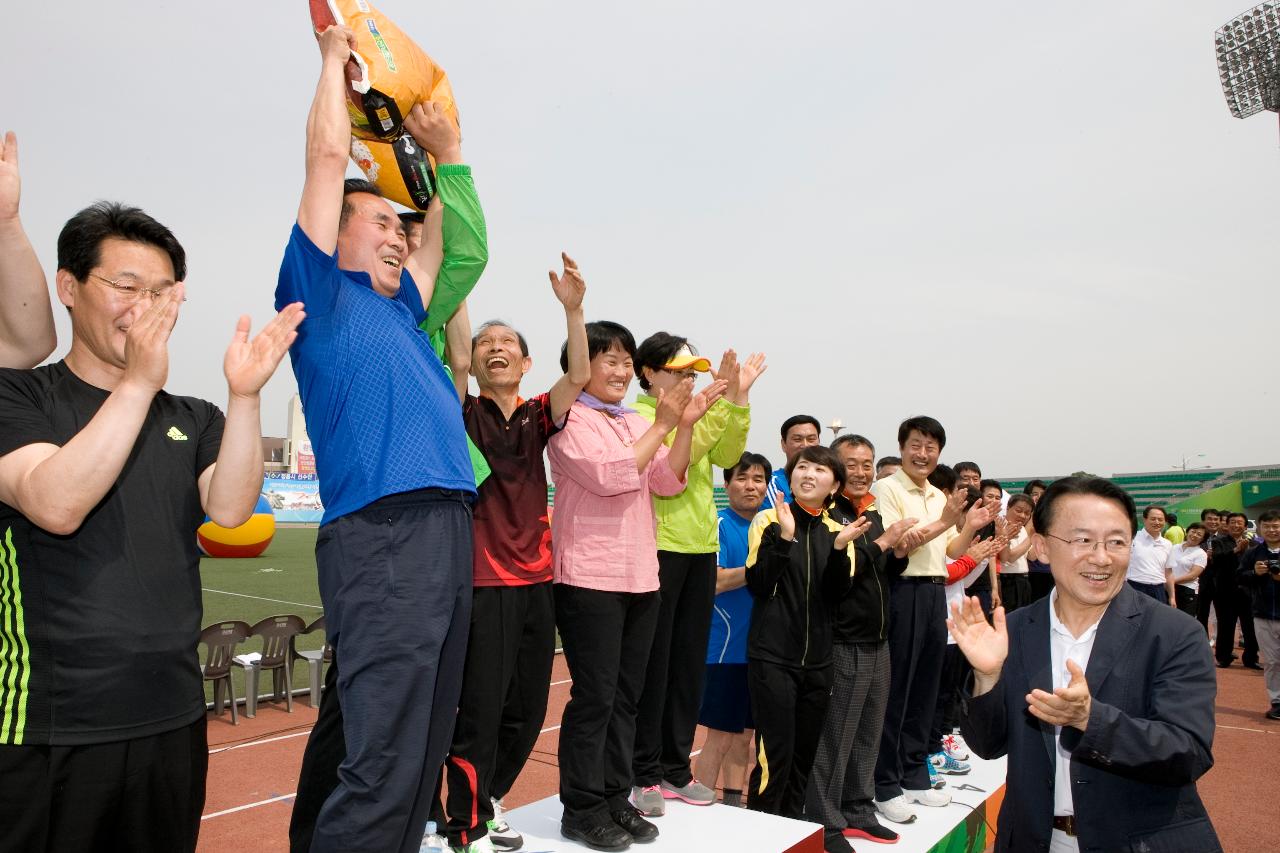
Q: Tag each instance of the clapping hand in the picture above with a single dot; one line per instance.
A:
(852, 531)
(146, 344)
(786, 522)
(730, 372)
(1065, 706)
(10, 180)
(702, 401)
(894, 533)
(671, 404)
(249, 363)
(985, 644)
(750, 370)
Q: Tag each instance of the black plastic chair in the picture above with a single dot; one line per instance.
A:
(222, 638)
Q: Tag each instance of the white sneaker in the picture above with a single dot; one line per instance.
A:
(927, 797)
(896, 809)
(501, 835)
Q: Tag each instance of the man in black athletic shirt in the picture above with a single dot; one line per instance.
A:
(104, 478)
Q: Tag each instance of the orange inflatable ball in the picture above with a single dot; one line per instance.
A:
(248, 540)
(393, 72)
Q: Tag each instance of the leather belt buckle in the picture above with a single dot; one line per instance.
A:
(1065, 823)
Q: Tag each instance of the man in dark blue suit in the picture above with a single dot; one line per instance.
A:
(1101, 697)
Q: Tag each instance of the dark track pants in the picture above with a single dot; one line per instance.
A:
(1187, 599)
(1158, 591)
(841, 784)
(1204, 600)
(1015, 592)
(788, 705)
(917, 649)
(504, 701)
(1233, 603)
(606, 638)
(946, 715)
(143, 794)
(668, 711)
(395, 581)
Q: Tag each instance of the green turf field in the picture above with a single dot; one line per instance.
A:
(281, 581)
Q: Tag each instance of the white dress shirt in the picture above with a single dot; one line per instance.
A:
(1065, 646)
(1148, 558)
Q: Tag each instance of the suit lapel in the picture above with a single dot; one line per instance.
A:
(1116, 634)
(1035, 650)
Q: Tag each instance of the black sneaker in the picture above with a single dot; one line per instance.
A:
(875, 832)
(1274, 713)
(637, 827)
(605, 836)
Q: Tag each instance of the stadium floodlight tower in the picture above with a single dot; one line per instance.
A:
(1248, 48)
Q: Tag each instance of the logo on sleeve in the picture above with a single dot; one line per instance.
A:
(176, 434)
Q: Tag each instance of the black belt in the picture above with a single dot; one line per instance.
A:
(1066, 823)
(924, 579)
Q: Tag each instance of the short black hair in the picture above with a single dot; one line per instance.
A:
(961, 467)
(601, 336)
(412, 216)
(1042, 518)
(1269, 515)
(943, 477)
(746, 462)
(655, 351)
(971, 497)
(926, 426)
(1170, 517)
(1146, 511)
(887, 460)
(824, 456)
(81, 238)
(988, 483)
(355, 185)
(1033, 484)
(795, 421)
(1208, 511)
(1020, 499)
(1232, 515)
(853, 440)
(489, 324)
(1195, 525)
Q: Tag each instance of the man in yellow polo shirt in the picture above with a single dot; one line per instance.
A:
(917, 619)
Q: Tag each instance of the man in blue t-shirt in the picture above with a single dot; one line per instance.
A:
(798, 432)
(393, 555)
(726, 707)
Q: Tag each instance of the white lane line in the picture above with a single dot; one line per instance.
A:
(558, 683)
(258, 742)
(250, 806)
(548, 729)
(261, 598)
(1242, 729)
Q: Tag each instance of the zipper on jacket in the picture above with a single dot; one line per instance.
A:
(879, 593)
(808, 571)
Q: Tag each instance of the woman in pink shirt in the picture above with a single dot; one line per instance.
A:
(606, 463)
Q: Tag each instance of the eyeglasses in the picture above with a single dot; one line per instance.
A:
(1082, 545)
(683, 374)
(132, 292)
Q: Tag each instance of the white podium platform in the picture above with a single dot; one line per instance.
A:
(959, 828)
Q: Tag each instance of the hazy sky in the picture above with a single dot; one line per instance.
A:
(1038, 223)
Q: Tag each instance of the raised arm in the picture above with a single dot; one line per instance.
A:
(978, 517)
(26, 317)
(229, 488)
(458, 349)
(465, 239)
(570, 288)
(328, 143)
(57, 487)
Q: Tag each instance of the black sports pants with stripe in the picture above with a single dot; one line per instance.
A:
(789, 705)
(504, 701)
